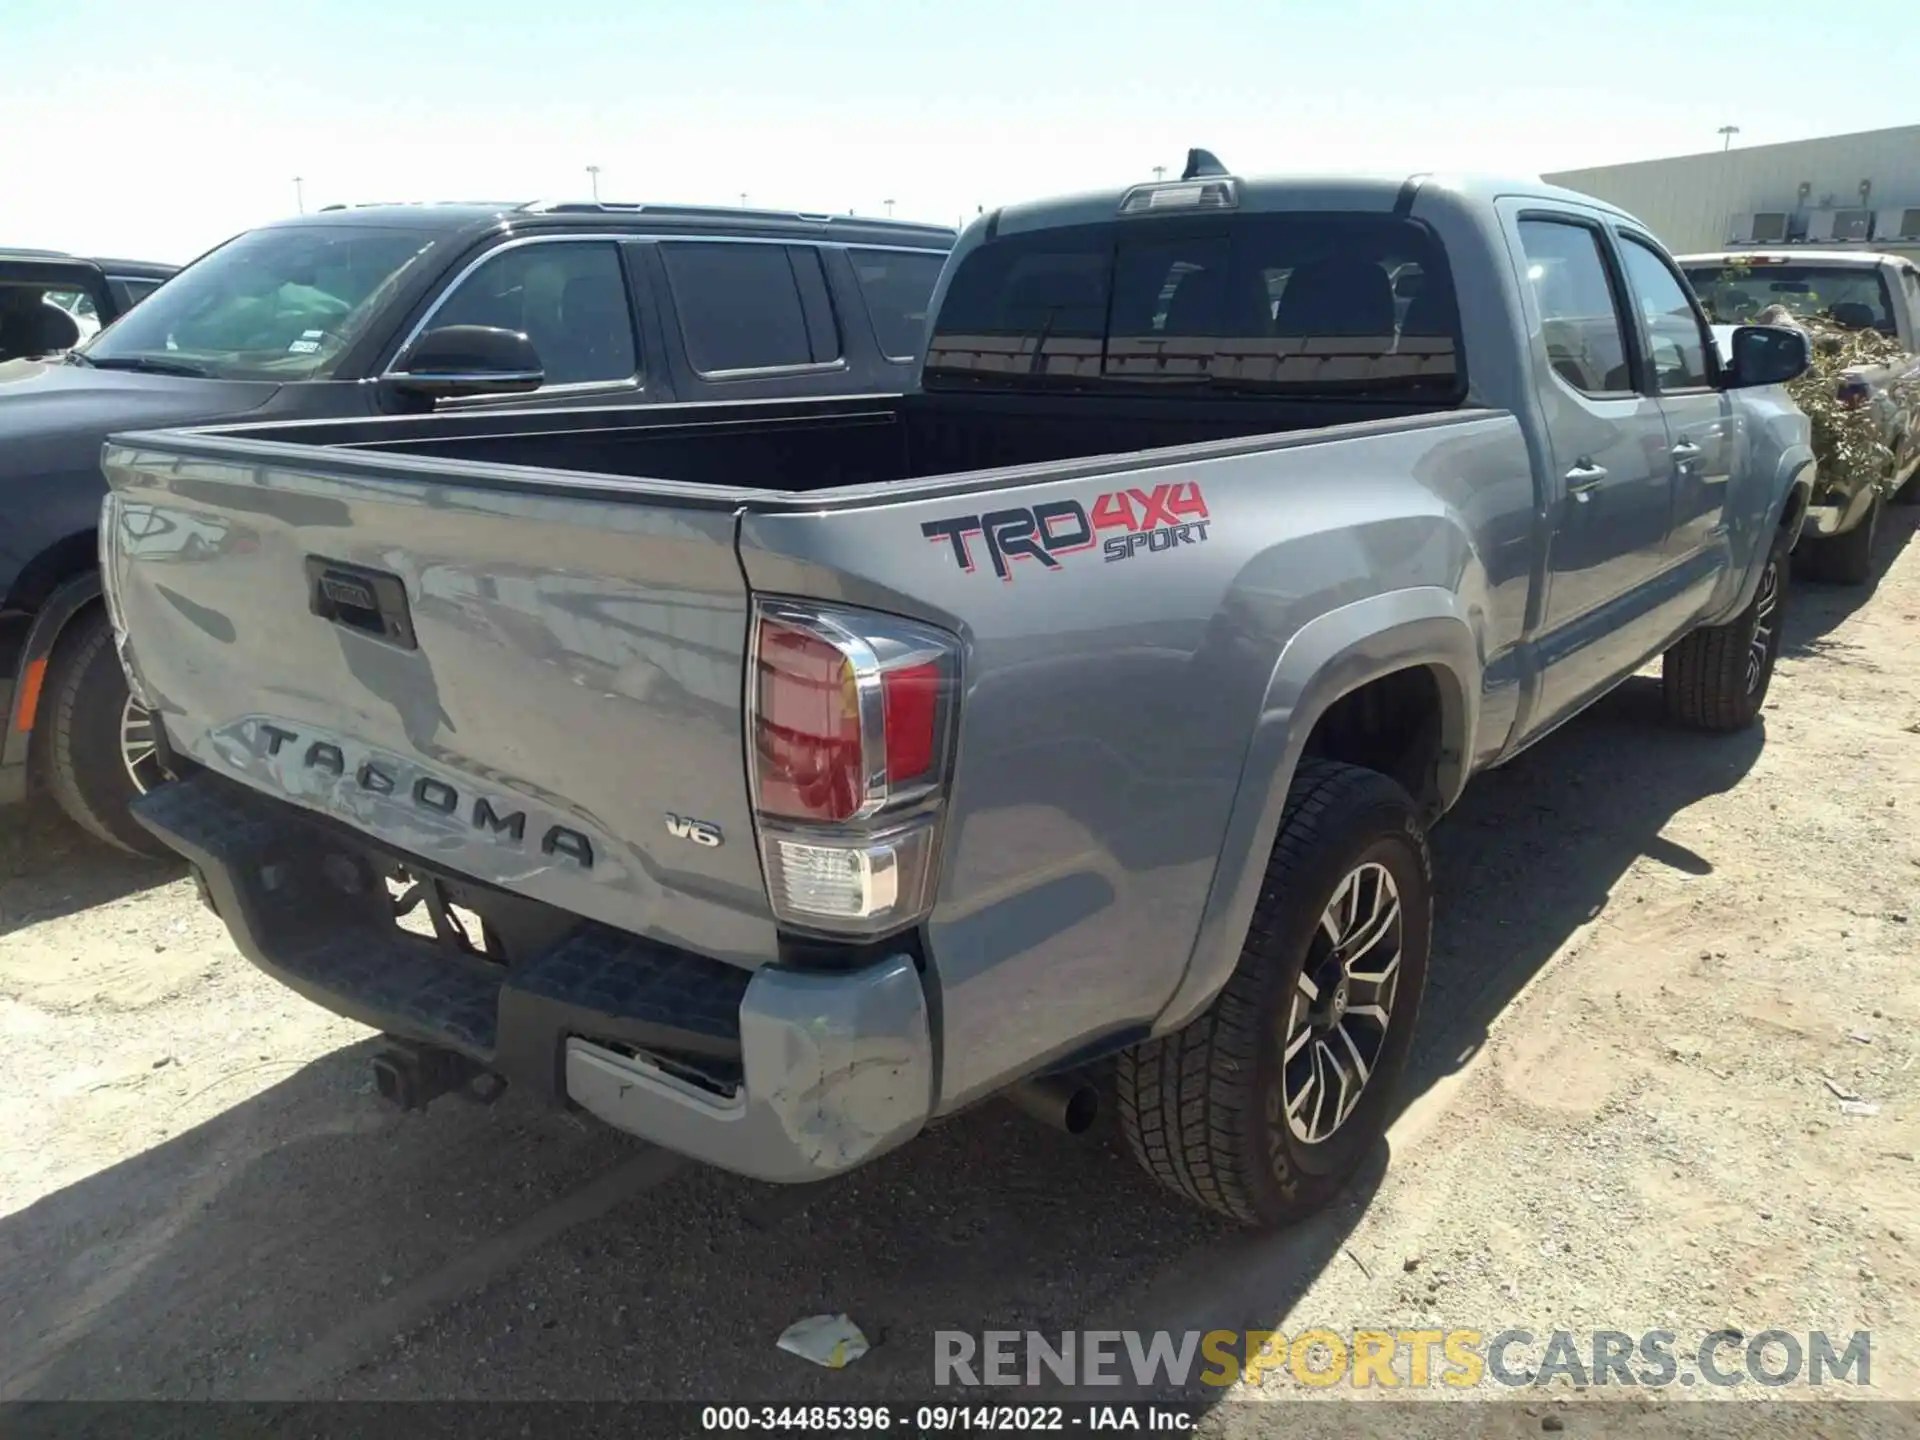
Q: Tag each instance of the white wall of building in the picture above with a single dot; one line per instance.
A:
(1690, 201)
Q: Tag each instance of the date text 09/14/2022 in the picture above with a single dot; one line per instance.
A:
(1145, 521)
(957, 1418)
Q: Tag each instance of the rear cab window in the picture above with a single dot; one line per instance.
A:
(1734, 292)
(1322, 304)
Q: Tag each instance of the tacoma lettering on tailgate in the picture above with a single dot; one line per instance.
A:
(292, 752)
(1148, 521)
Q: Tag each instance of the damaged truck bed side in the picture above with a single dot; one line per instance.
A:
(780, 777)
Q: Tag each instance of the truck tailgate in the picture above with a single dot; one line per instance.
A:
(349, 640)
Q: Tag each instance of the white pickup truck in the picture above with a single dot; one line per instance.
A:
(1856, 290)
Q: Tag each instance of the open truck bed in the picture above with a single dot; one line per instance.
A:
(771, 449)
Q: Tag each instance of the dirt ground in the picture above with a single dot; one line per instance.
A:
(1666, 1079)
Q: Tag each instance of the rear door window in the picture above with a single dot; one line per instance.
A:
(746, 306)
(897, 284)
(1328, 304)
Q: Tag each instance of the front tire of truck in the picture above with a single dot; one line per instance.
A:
(1263, 1107)
(1717, 677)
(97, 748)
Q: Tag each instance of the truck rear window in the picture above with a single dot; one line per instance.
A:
(1851, 295)
(1307, 304)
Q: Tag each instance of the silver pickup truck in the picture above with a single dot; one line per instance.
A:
(774, 779)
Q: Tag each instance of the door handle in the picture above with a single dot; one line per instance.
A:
(1583, 477)
(1685, 453)
(355, 598)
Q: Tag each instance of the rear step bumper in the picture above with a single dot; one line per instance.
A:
(779, 1074)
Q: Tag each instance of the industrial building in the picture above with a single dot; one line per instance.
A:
(1859, 191)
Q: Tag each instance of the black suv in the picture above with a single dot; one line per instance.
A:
(378, 309)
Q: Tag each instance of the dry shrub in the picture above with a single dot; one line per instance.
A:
(1846, 440)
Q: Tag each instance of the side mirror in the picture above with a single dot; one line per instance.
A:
(457, 360)
(1766, 355)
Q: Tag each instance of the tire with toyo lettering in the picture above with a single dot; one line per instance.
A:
(1263, 1107)
(93, 745)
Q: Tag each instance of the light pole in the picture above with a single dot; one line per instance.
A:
(743, 199)
(299, 195)
(1159, 173)
(889, 205)
(1727, 132)
(593, 177)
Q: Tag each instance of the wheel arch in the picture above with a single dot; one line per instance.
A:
(1792, 510)
(1751, 535)
(64, 560)
(57, 611)
(1335, 656)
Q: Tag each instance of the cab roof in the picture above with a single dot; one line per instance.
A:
(1379, 192)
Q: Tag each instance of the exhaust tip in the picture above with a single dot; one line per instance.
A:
(1066, 1105)
(1081, 1110)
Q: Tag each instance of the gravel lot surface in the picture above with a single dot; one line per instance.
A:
(1666, 1079)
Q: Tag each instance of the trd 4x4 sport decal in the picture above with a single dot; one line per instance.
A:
(1147, 521)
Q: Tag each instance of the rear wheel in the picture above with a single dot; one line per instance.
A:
(1263, 1107)
(97, 745)
(1843, 559)
(1717, 677)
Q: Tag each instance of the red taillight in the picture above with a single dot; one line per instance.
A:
(912, 703)
(850, 715)
(808, 714)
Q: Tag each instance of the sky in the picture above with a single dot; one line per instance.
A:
(154, 131)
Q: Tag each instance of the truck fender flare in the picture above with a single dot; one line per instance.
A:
(1793, 492)
(1790, 496)
(1797, 469)
(66, 602)
(1332, 655)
